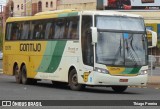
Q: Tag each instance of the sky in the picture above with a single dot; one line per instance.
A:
(2, 2)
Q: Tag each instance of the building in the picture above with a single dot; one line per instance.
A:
(29, 7)
(77, 4)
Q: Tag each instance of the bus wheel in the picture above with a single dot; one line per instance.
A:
(73, 81)
(24, 75)
(119, 89)
(18, 75)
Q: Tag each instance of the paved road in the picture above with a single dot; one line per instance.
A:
(44, 90)
(9, 89)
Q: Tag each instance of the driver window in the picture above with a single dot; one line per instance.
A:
(87, 47)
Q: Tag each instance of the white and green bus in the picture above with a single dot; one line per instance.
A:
(81, 48)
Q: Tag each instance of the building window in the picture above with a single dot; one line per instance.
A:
(39, 6)
(51, 5)
(46, 4)
(18, 7)
(21, 6)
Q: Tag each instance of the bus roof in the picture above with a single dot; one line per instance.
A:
(66, 13)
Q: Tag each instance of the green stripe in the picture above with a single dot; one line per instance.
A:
(68, 14)
(131, 70)
(47, 56)
(51, 62)
(57, 56)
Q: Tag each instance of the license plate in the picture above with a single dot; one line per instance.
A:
(123, 80)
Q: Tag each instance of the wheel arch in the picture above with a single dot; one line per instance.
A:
(70, 69)
(22, 65)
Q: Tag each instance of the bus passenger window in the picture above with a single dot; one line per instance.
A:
(8, 33)
(25, 32)
(73, 31)
(19, 30)
(41, 36)
(39, 30)
(51, 32)
(38, 34)
(31, 31)
(47, 31)
(14, 29)
(59, 29)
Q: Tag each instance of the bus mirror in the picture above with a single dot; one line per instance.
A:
(94, 34)
(152, 38)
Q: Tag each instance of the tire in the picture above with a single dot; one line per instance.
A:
(25, 80)
(119, 89)
(17, 74)
(73, 81)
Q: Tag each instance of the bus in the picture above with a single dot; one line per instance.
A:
(80, 48)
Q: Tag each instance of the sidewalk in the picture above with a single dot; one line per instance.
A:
(153, 80)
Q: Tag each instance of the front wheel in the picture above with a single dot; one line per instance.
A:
(119, 89)
(73, 81)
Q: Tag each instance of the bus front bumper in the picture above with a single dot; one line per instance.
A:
(109, 80)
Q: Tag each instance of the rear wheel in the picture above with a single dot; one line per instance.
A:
(73, 81)
(25, 80)
(17, 74)
(119, 89)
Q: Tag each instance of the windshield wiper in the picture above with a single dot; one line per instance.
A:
(130, 52)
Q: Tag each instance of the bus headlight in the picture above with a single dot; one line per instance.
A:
(143, 72)
(101, 70)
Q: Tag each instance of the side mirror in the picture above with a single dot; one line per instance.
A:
(152, 38)
(94, 34)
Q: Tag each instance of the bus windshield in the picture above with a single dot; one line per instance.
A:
(120, 23)
(121, 46)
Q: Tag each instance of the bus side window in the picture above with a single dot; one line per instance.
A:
(37, 32)
(49, 32)
(19, 30)
(8, 33)
(73, 31)
(60, 29)
(31, 30)
(87, 47)
(25, 32)
(13, 31)
(42, 29)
